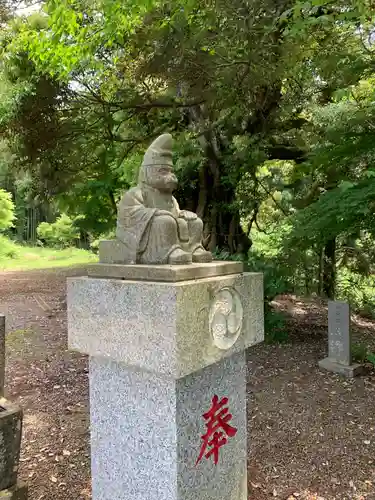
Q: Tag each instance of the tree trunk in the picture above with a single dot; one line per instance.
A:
(320, 272)
(223, 228)
(113, 202)
(214, 201)
(329, 269)
(306, 272)
(214, 204)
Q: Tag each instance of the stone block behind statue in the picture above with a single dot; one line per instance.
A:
(151, 228)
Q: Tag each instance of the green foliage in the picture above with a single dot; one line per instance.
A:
(94, 245)
(275, 280)
(22, 257)
(346, 209)
(340, 165)
(7, 215)
(62, 233)
(271, 104)
(361, 354)
(141, 69)
(275, 283)
(275, 327)
(296, 270)
(8, 249)
(358, 290)
(371, 358)
(224, 255)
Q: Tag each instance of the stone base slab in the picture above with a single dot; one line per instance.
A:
(113, 252)
(141, 272)
(349, 371)
(10, 442)
(18, 492)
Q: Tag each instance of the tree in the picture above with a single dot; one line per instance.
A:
(59, 138)
(62, 233)
(6, 210)
(234, 82)
(179, 68)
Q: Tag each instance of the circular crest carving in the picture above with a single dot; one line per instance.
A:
(225, 318)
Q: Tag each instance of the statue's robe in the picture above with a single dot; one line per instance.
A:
(149, 237)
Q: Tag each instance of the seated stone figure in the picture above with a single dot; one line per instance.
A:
(150, 225)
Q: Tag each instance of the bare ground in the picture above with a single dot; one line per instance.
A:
(311, 434)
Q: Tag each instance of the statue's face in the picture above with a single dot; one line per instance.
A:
(163, 178)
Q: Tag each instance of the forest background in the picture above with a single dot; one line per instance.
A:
(271, 104)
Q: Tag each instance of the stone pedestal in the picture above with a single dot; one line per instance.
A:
(10, 436)
(10, 442)
(339, 358)
(167, 377)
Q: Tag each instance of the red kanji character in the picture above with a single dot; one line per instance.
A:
(218, 418)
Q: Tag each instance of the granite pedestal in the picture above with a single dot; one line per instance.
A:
(339, 358)
(167, 380)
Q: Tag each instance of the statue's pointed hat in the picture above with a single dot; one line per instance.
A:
(160, 152)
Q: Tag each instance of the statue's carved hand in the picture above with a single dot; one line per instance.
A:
(185, 214)
(164, 212)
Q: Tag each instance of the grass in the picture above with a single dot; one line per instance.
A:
(20, 258)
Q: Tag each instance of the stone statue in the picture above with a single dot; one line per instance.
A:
(150, 225)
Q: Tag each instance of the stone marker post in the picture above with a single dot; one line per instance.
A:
(167, 376)
(10, 436)
(339, 358)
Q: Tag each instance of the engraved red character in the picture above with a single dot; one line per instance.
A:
(217, 424)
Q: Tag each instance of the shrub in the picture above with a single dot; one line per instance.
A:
(107, 236)
(361, 354)
(275, 284)
(8, 249)
(61, 233)
(7, 208)
(275, 327)
(275, 281)
(358, 290)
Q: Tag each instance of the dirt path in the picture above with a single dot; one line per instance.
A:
(49, 382)
(309, 431)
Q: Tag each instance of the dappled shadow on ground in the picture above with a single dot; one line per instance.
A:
(49, 382)
(307, 320)
(308, 431)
